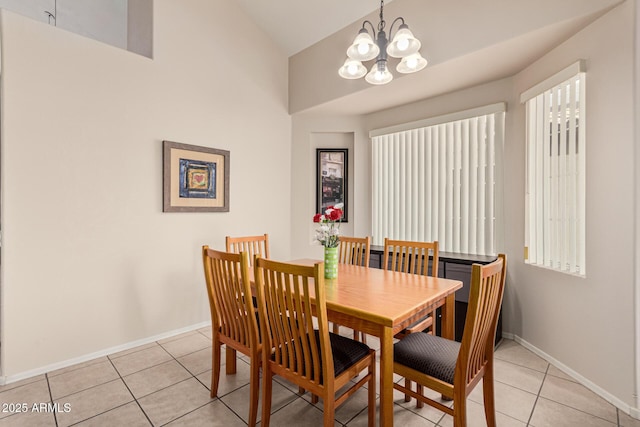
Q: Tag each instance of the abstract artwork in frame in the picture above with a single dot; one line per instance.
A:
(332, 179)
(196, 179)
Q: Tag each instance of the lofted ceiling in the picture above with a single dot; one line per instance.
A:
(297, 24)
(467, 42)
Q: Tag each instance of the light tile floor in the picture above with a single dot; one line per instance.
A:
(167, 383)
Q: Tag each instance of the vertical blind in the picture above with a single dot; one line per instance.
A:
(555, 198)
(437, 182)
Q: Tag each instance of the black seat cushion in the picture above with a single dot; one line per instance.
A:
(429, 354)
(346, 352)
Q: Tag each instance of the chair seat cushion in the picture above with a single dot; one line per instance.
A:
(346, 352)
(429, 354)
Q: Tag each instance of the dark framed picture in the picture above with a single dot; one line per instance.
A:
(332, 179)
(195, 179)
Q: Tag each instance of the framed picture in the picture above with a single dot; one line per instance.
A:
(332, 179)
(196, 179)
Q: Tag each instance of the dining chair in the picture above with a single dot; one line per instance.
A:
(233, 318)
(354, 251)
(451, 368)
(316, 360)
(413, 257)
(254, 245)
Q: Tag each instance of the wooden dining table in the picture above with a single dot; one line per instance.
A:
(382, 303)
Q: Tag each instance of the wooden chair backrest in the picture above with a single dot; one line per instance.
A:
(254, 245)
(410, 257)
(485, 299)
(285, 293)
(355, 250)
(230, 298)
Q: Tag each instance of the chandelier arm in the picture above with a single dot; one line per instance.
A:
(400, 18)
(373, 29)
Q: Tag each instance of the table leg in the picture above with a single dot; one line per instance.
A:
(449, 317)
(386, 377)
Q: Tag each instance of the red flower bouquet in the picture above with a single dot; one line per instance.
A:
(329, 232)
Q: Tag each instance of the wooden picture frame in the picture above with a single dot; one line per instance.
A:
(195, 179)
(332, 179)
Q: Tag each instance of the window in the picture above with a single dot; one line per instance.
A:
(555, 178)
(436, 180)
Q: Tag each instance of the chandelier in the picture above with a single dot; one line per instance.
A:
(403, 45)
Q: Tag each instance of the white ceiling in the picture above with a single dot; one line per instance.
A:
(469, 42)
(297, 24)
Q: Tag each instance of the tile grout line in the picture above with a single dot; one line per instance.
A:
(76, 367)
(533, 408)
(297, 396)
(218, 398)
(55, 417)
(617, 423)
(130, 392)
(193, 375)
(204, 385)
(101, 413)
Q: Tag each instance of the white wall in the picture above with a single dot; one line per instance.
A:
(100, 20)
(308, 134)
(89, 261)
(587, 325)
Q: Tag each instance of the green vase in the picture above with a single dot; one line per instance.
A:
(330, 263)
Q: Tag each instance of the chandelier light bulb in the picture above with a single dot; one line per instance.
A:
(403, 44)
(379, 74)
(363, 47)
(411, 64)
(352, 69)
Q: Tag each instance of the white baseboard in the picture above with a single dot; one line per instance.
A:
(633, 412)
(43, 370)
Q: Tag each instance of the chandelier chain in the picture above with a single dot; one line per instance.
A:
(381, 24)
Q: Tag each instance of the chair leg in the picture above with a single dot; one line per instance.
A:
(267, 383)
(407, 384)
(372, 392)
(215, 367)
(360, 336)
(459, 408)
(254, 387)
(329, 411)
(432, 329)
(314, 398)
(231, 360)
(420, 390)
(336, 328)
(489, 396)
